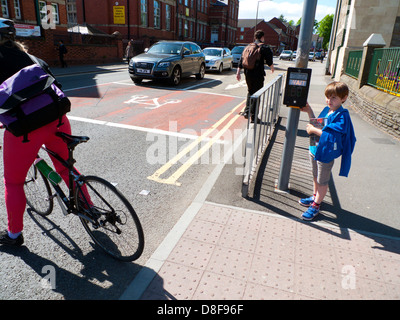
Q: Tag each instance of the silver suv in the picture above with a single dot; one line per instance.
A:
(170, 60)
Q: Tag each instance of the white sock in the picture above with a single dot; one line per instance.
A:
(13, 235)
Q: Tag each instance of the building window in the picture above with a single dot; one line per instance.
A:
(167, 17)
(71, 12)
(17, 10)
(4, 9)
(156, 14)
(186, 29)
(143, 13)
(56, 14)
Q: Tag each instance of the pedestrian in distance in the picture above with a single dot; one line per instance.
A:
(253, 58)
(129, 51)
(333, 138)
(62, 51)
(18, 154)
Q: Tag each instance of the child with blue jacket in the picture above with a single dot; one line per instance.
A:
(336, 139)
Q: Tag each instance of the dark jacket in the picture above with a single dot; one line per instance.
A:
(13, 60)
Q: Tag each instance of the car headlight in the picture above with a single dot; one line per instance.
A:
(164, 64)
(131, 63)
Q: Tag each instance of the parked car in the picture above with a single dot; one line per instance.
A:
(311, 56)
(286, 55)
(236, 54)
(218, 59)
(169, 60)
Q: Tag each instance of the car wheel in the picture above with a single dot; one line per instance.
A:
(220, 68)
(175, 76)
(230, 66)
(201, 73)
(137, 81)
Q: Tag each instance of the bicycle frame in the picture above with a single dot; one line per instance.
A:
(68, 204)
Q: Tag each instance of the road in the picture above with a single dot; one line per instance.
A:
(158, 143)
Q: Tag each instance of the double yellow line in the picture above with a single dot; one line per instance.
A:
(173, 178)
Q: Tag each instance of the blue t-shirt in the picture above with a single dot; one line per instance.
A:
(324, 114)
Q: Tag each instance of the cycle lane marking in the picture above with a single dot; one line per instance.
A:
(203, 142)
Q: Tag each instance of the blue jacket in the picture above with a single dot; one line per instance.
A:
(337, 139)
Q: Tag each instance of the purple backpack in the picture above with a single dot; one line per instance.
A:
(29, 99)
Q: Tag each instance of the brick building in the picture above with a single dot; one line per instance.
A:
(40, 30)
(278, 35)
(97, 31)
(147, 21)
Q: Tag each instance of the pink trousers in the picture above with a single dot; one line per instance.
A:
(18, 157)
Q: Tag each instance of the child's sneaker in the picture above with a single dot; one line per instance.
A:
(311, 213)
(306, 202)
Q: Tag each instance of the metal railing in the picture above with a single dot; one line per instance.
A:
(267, 102)
(385, 70)
(354, 63)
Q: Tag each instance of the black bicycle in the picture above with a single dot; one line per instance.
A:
(105, 213)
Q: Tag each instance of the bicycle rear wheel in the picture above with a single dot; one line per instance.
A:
(117, 230)
(38, 192)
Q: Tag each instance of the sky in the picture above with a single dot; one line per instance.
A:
(291, 9)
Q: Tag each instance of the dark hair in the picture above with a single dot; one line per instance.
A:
(339, 89)
(258, 34)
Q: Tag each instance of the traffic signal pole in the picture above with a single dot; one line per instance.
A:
(303, 49)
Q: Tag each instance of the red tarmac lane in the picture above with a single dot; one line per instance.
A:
(155, 108)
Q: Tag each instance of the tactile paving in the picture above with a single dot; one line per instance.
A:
(232, 254)
(230, 262)
(219, 287)
(192, 253)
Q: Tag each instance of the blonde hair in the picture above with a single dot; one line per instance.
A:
(336, 88)
(13, 44)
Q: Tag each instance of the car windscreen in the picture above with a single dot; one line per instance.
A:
(165, 48)
(237, 50)
(213, 52)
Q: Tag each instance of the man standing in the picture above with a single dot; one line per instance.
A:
(62, 50)
(255, 77)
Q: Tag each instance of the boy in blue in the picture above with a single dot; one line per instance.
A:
(336, 139)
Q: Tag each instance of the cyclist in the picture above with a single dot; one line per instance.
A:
(19, 156)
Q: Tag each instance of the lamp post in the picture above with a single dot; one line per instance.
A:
(258, 2)
(303, 49)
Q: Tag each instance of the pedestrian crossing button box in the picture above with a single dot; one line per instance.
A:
(297, 87)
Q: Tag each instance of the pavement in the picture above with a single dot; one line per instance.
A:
(79, 69)
(257, 248)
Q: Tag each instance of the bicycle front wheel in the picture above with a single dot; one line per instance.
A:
(117, 228)
(38, 192)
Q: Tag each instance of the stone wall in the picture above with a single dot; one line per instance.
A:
(380, 108)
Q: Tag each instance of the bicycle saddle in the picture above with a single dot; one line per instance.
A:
(71, 141)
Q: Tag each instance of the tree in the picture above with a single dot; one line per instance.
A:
(282, 18)
(324, 29)
(316, 24)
